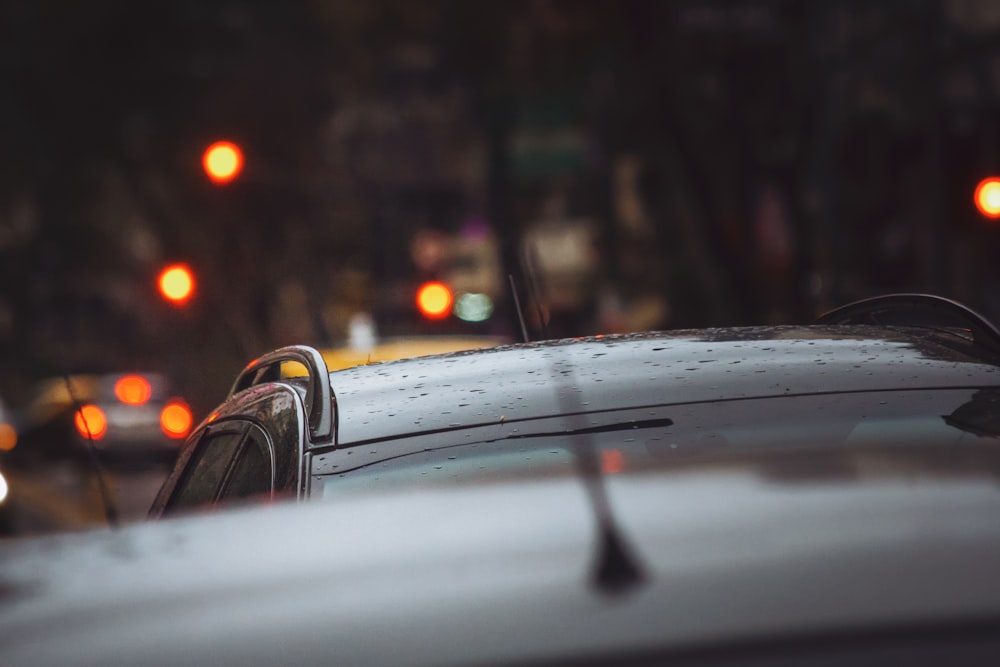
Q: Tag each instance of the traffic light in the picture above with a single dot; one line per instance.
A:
(176, 283)
(987, 197)
(223, 162)
(434, 300)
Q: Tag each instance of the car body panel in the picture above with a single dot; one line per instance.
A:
(513, 383)
(622, 440)
(753, 548)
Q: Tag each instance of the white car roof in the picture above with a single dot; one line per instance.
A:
(525, 382)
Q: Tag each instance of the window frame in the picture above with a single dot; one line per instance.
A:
(275, 408)
(247, 434)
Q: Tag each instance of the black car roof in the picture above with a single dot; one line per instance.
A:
(512, 383)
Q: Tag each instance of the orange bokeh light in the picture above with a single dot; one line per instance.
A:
(612, 461)
(223, 162)
(90, 419)
(133, 389)
(176, 419)
(176, 283)
(434, 300)
(988, 197)
(8, 437)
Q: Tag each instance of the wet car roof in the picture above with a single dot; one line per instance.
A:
(528, 381)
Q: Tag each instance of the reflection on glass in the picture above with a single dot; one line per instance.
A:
(632, 440)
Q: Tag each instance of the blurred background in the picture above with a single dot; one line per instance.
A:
(625, 164)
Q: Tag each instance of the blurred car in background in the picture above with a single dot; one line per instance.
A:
(391, 349)
(784, 495)
(8, 428)
(132, 416)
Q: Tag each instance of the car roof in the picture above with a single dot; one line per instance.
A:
(519, 382)
(750, 548)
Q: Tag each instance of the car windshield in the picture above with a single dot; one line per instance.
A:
(634, 439)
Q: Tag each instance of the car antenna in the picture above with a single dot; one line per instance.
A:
(110, 511)
(529, 268)
(616, 570)
(517, 306)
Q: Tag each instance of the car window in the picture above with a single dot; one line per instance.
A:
(232, 461)
(633, 439)
(252, 472)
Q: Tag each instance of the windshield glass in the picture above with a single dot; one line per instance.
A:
(632, 440)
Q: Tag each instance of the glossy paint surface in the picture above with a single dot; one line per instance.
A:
(509, 384)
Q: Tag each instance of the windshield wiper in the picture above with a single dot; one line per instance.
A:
(603, 428)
